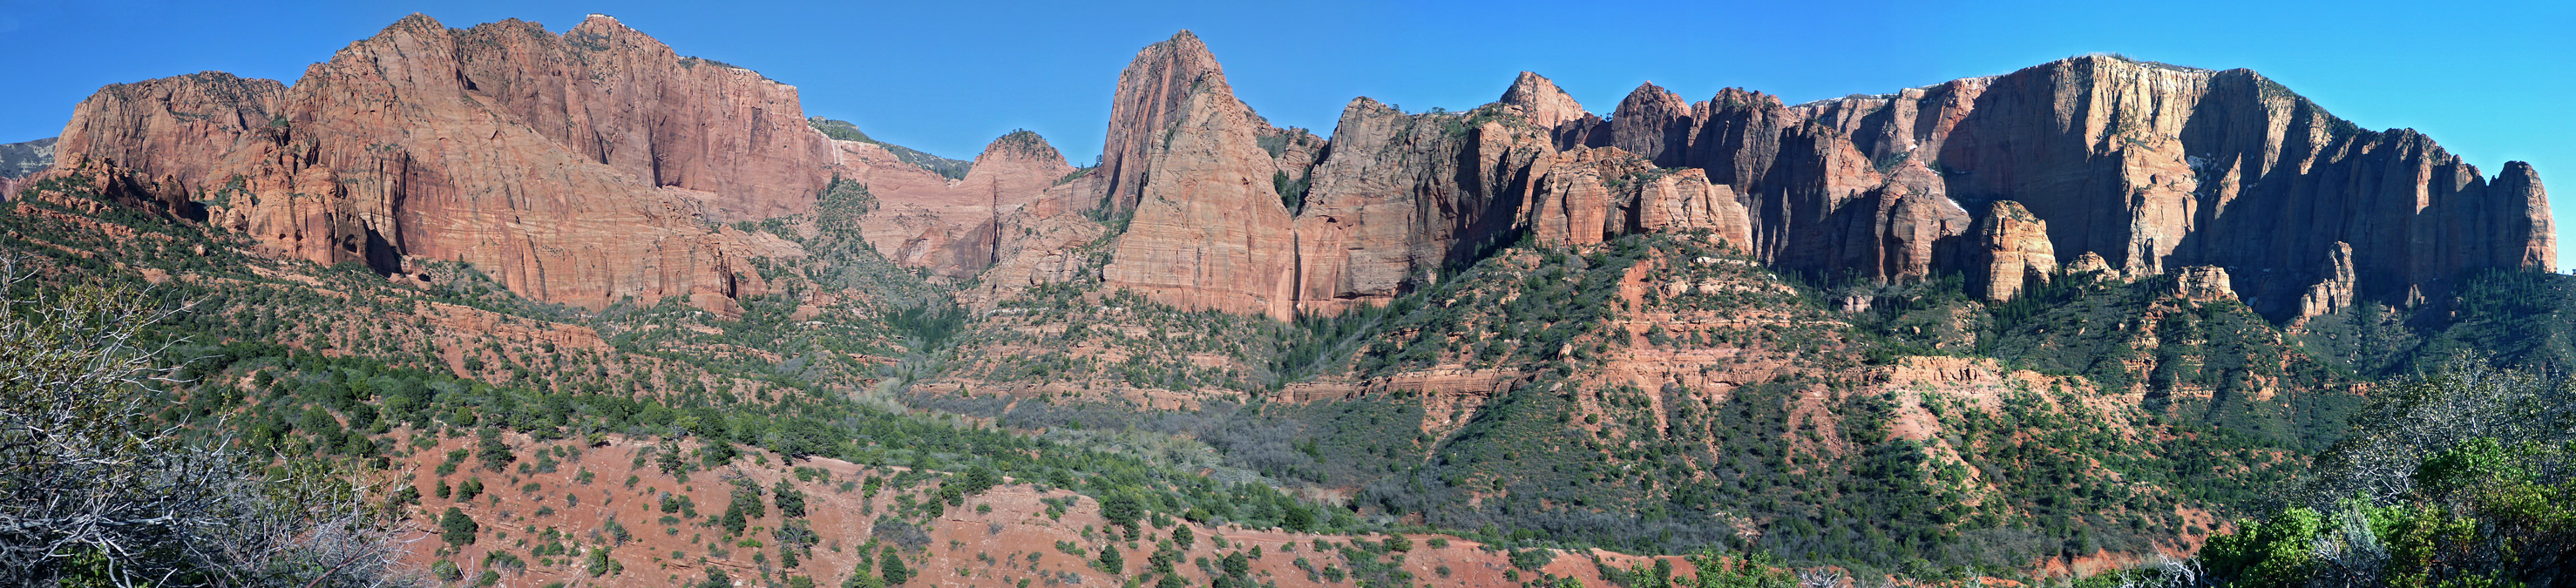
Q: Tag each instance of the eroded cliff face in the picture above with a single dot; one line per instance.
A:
(583, 168)
(952, 227)
(1388, 203)
(591, 167)
(2143, 168)
(2150, 166)
(1209, 230)
(1152, 96)
(2011, 248)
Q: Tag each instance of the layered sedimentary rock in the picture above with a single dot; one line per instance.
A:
(953, 227)
(1390, 201)
(589, 167)
(2142, 168)
(1400, 196)
(1152, 95)
(2149, 166)
(1209, 230)
(178, 128)
(2011, 247)
(582, 168)
(1591, 194)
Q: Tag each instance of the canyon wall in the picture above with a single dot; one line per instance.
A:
(2146, 167)
(2151, 166)
(598, 165)
(583, 168)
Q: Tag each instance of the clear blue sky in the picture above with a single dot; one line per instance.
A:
(2491, 81)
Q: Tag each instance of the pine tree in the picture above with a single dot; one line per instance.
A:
(1110, 561)
(891, 565)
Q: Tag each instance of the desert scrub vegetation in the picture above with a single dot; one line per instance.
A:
(99, 489)
(337, 373)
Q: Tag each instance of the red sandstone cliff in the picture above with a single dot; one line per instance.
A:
(951, 227)
(2144, 168)
(1209, 230)
(2150, 166)
(582, 168)
(588, 167)
(1392, 199)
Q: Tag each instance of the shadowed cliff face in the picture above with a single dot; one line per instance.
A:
(2153, 167)
(2149, 167)
(1153, 93)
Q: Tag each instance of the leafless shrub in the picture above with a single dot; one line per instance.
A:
(93, 488)
(2417, 417)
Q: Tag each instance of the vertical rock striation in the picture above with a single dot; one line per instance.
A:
(2141, 167)
(1152, 96)
(582, 168)
(1209, 230)
(2012, 247)
(594, 166)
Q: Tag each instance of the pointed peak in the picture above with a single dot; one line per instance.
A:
(1650, 97)
(2519, 170)
(1649, 89)
(1530, 86)
(1538, 98)
(1182, 45)
(599, 24)
(417, 22)
(1020, 144)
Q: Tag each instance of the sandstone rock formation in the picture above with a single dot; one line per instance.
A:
(1399, 197)
(1392, 200)
(590, 167)
(2140, 167)
(1151, 96)
(952, 227)
(2336, 291)
(1209, 230)
(582, 168)
(2013, 247)
(2150, 166)
(2203, 283)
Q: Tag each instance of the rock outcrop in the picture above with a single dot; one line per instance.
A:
(952, 227)
(2203, 283)
(1592, 194)
(1209, 230)
(1152, 96)
(591, 167)
(2149, 166)
(1389, 202)
(2335, 292)
(582, 168)
(2143, 168)
(2012, 247)
(1401, 196)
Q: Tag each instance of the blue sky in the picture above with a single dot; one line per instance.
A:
(2491, 81)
